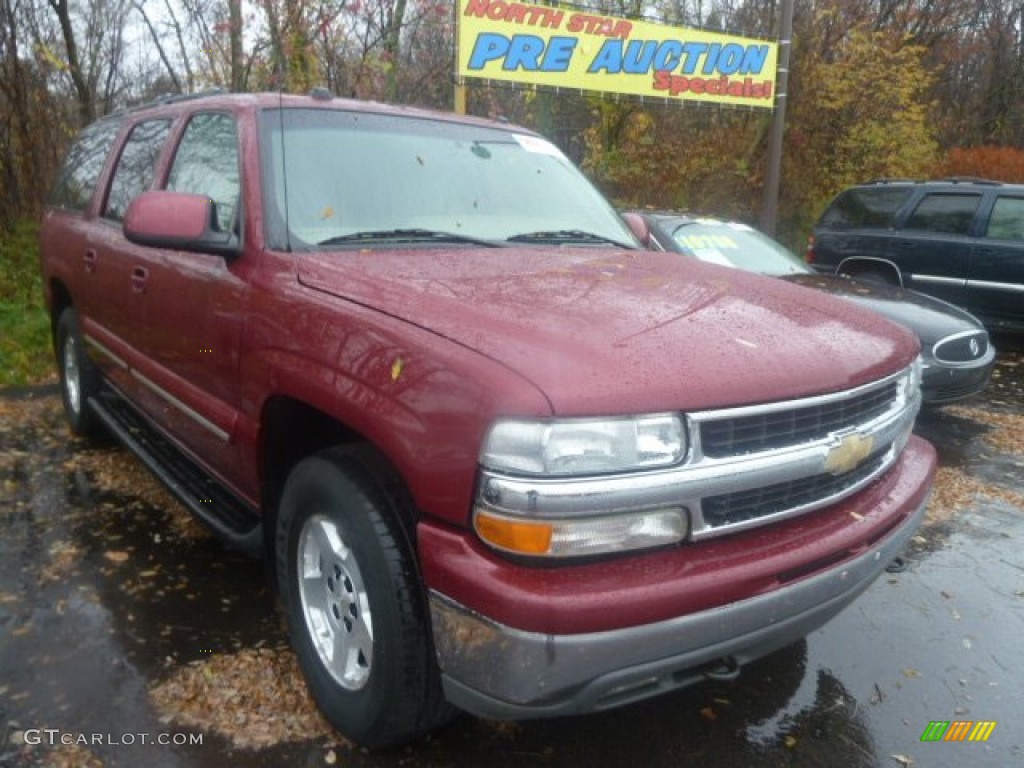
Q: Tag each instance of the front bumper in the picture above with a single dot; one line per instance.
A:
(946, 384)
(493, 669)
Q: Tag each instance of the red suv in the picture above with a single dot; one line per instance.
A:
(497, 456)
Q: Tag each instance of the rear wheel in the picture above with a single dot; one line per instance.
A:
(356, 611)
(79, 378)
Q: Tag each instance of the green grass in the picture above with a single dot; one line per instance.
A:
(25, 352)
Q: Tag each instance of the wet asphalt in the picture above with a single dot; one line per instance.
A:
(106, 590)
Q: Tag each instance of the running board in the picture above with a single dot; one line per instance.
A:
(218, 507)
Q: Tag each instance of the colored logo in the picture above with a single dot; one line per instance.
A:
(850, 452)
(958, 730)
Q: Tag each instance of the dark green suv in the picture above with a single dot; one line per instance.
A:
(958, 239)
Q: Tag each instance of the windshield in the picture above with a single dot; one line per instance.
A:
(358, 180)
(736, 245)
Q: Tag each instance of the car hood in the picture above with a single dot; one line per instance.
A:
(931, 319)
(602, 331)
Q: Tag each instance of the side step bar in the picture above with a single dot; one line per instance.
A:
(218, 507)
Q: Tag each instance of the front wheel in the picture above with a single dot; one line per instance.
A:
(355, 607)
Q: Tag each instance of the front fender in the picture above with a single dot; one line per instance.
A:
(422, 401)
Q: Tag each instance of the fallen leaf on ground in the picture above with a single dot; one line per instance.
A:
(256, 698)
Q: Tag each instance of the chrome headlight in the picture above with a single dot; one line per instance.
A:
(584, 446)
(570, 451)
(582, 536)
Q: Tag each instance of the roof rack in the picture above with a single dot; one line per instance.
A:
(944, 180)
(970, 180)
(174, 98)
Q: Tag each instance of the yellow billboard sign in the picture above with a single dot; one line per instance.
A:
(560, 47)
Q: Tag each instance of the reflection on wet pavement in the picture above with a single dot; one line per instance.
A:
(120, 616)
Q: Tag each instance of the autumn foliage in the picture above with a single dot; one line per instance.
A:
(898, 88)
(995, 163)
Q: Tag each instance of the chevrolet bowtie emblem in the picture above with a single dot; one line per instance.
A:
(850, 452)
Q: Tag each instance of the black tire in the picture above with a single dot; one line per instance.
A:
(344, 521)
(79, 377)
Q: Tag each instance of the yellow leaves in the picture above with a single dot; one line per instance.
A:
(955, 490)
(255, 698)
(53, 59)
(862, 113)
(116, 556)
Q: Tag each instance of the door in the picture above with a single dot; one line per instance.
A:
(995, 279)
(933, 244)
(115, 315)
(195, 304)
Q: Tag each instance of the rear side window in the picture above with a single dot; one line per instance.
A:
(873, 207)
(82, 167)
(949, 214)
(136, 166)
(1007, 219)
(207, 164)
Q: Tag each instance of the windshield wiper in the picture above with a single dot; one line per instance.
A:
(564, 236)
(411, 235)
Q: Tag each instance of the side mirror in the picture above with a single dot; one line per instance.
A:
(638, 227)
(179, 221)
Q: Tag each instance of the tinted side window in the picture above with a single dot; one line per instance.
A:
(82, 167)
(950, 214)
(872, 207)
(207, 164)
(1007, 219)
(134, 172)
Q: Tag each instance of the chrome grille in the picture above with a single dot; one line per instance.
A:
(722, 438)
(962, 348)
(742, 506)
(832, 446)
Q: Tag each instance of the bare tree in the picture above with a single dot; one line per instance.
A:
(157, 38)
(83, 93)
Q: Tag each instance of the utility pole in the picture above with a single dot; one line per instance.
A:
(770, 201)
